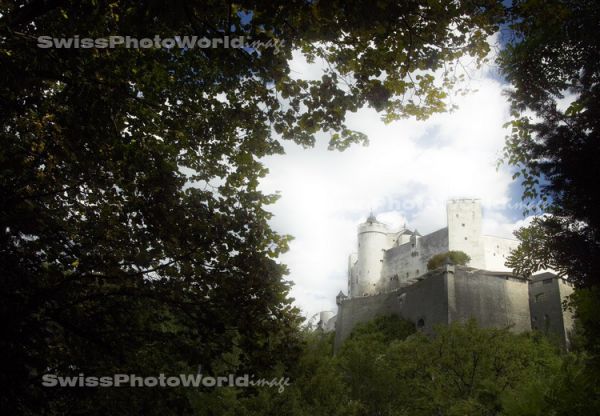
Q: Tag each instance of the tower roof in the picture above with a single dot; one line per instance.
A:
(372, 218)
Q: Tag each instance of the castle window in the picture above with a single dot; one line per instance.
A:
(465, 238)
(463, 224)
(540, 297)
(417, 272)
(420, 323)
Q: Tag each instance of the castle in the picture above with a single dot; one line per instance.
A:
(388, 275)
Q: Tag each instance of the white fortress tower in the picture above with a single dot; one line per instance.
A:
(372, 243)
(464, 229)
(389, 259)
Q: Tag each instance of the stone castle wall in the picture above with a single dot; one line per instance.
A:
(454, 293)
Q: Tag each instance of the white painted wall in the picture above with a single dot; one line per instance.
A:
(464, 229)
(496, 252)
(372, 242)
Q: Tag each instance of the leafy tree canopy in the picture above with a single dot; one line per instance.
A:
(552, 60)
(385, 368)
(134, 237)
(462, 370)
(553, 64)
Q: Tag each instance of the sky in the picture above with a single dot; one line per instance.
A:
(405, 176)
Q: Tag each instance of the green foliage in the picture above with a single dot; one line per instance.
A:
(456, 257)
(112, 263)
(384, 329)
(553, 57)
(586, 304)
(134, 237)
(554, 148)
(385, 368)
(316, 388)
(370, 377)
(464, 370)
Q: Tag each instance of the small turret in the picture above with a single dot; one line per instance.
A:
(340, 298)
(372, 219)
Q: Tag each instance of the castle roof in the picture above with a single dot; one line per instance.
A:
(372, 218)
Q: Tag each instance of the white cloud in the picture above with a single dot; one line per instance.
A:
(406, 175)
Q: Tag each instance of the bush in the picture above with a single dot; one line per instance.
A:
(455, 257)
